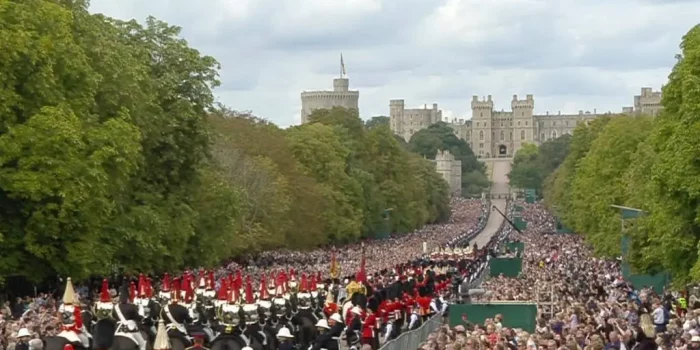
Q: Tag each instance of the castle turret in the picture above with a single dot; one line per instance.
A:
(341, 96)
(523, 121)
(482, 112)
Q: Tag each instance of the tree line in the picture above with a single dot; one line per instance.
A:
(645, 163)
(440, 137)
(115, 157)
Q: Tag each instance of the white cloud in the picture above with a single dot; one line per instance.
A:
(570, 54)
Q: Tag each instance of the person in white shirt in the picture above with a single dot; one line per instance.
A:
(659, 318)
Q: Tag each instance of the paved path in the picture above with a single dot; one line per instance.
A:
(499, 177)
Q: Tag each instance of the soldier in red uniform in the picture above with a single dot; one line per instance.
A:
(369, 329)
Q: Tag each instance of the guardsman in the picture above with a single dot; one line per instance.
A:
(198, 339)
(127, 315)
(71, 315)
(369, 328)
(330, 307)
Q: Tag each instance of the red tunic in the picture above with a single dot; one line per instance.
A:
(348, 316)
(369, 326)
(408, 303)
(424, 304)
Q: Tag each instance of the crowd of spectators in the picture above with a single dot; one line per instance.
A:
(584, 303)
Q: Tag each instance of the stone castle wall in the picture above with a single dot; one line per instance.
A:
(450, 169)
(341, 96)
(491, 133)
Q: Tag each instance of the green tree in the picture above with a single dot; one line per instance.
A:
(669, 233)
(105, 126)
(557, 188)
(599, 181)
(323, 155)
(533, 164)
(377, 121)
(440, 136)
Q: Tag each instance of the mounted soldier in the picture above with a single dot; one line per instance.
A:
(106, 325)
(73, 334)
(176, 317)
(148, 308)
(230, 316)
(282, 308)
(304, 319)
(265, 311)
(251, 330)
(127, 315)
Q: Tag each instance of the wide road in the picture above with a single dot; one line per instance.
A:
(499, 177)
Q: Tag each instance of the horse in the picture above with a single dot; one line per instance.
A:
(58, 343)
(176, 318)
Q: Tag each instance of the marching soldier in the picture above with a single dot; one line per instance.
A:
(369, 328)
(198, 342)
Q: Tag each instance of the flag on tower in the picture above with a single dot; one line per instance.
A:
(342, 67)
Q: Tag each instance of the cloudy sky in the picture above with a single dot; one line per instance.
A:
(571, 54)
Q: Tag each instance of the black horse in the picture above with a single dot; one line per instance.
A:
(180, 315)
(58, 343)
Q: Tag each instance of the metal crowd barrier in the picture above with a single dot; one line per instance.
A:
(412, 340)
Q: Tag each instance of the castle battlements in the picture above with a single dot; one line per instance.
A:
(492, 133)
(340, 96)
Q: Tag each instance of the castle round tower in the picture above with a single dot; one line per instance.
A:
(341, 96)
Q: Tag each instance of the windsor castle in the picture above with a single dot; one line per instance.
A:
(491, 133)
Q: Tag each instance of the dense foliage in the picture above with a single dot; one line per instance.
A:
(533, 164)
(115, 158)
(439, 136)
(642, 163)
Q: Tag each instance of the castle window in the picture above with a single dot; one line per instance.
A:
(522, 114)
(502, 135)
(501, 124)
(511, 136)
(525, 123)
(522, 134)
(542, 137)
(481, 135)
(493, 135)
(554, 134)
(554, 123)
(566, 122)
(477, 123)
(481, 145)
(518, 123)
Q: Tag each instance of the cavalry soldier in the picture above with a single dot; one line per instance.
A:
(198, 342)
(330, 307)
(73, 329)
(127, 316)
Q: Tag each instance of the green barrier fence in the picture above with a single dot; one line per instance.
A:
(519, 223)
(514, 315)
(518, 209)
(509, 267)
(513, 246)
(530, 195)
